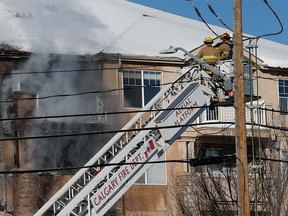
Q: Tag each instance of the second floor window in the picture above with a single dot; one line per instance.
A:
(283, 95)
(248, 86)
(140, 87)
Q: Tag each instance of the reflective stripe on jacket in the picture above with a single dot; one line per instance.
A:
(209, 54)
(209, 57)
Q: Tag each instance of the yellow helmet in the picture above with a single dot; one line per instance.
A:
(208, 40)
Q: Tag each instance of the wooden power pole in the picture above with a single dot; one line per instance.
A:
(240, 123)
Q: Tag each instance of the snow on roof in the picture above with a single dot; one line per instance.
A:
(110, 26)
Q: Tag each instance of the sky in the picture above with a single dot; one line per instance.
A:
(257, 18)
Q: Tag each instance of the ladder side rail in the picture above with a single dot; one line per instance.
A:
(105, 173)
(98, 155)
(115, 173)
(94, 159)
(121, 158)
(204, 101)
(67, 188)
(134, 175)
(126, 185)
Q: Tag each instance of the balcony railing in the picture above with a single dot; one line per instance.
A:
(227, 114)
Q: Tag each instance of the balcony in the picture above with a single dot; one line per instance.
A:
(226, 115)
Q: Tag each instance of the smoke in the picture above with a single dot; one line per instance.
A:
(52, 26)
(72, 76)
(67, 28)
(56, 32)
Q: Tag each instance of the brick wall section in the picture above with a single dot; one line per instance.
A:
(25, 194)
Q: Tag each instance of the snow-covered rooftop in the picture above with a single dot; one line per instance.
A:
(110, 26)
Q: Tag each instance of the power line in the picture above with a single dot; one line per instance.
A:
(130, 130)
(214, 13)
(72, 71)
(201, 17)
(108, 131)
(273, 110)
(210, 133)
(193, 162)
(91, 166)
(90, 92)
(269, 159)
(264, 35)
(278, 19)
(269, 34)
(107, 113)
(99, 91)
(199, 161)
(54, 71)
(126, 112)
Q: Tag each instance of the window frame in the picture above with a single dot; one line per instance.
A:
(247, 82)
(282, 96)
(158, 74)
(284, 166)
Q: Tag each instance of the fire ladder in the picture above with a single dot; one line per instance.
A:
(93, 190)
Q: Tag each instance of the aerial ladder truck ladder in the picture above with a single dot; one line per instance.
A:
(94, 189)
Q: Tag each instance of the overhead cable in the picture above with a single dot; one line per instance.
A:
(132, 130)
(71, 71)
(109, 131)
(201, 17)
(214, 13)
(193, 162)
(89, 92)
(105, 113)
(277, 17)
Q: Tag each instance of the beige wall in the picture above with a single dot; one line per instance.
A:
(268, 88)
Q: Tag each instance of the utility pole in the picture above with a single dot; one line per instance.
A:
(240, 123)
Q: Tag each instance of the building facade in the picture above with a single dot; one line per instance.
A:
(119, 94)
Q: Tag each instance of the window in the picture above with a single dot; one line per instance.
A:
(283, 95)
(284, 166)
(155, 175)
(212, 152)
(247, 84)
(140, 87)
(205, 148)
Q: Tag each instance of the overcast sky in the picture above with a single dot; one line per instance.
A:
(258, 19)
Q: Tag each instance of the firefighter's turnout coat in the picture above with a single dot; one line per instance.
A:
(209, 54)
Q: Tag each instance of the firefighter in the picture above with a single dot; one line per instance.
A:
(209, 54)
(225, 47)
